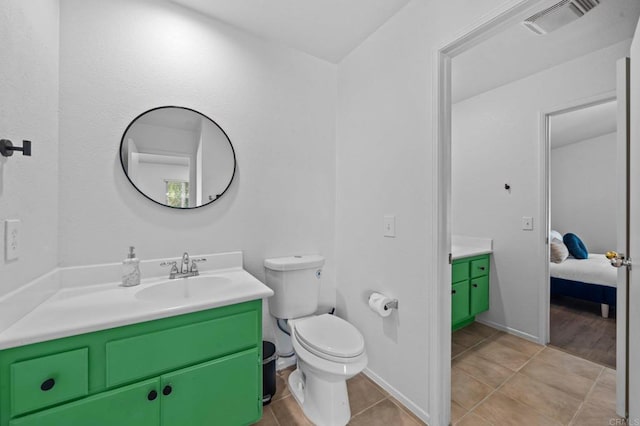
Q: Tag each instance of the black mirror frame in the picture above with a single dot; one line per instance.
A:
(233, 152)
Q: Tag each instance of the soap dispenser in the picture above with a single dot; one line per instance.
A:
(131, 269)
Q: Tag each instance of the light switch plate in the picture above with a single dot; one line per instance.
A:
(11, 239)
(390, 226)
(527, 223)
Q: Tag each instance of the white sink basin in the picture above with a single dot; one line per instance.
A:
(201, 288)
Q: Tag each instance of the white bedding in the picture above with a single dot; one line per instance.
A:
(594, 270)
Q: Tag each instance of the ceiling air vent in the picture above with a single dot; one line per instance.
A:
(558, 15)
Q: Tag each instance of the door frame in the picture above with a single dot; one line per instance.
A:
(440, 314)
(545, 185)
(440, 354)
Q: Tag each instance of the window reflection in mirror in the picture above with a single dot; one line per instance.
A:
(177, 157)
(177, 193)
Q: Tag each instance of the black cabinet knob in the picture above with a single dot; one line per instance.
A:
(152, 395)
(47, 385)
(453, 292)
(167, 390)
(482, 268)
(475, 285)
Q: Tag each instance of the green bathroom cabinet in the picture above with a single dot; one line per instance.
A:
(469, 289)
(201, 368)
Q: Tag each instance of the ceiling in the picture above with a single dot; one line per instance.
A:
(582, 124)
(167, 118)
(517, 52)
(327, 29)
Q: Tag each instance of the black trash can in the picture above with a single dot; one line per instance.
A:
(268, 371)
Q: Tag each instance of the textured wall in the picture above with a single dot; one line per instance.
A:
(29, 110)
(277, 106)
(384, 158)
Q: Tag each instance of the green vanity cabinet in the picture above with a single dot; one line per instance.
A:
(459, 301)
(213, 392)
(200, 368)
(469, 289)
(479, 299)
(130, 405)
(69, 369)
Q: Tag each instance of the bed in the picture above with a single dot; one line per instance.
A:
(592, 279)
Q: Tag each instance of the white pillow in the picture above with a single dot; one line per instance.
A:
(555, 235)
(558, 252)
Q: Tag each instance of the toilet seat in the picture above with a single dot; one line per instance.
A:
(329, 337)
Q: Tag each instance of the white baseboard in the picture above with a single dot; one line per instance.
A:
(410, 405)
(518, 333)
(283, 363)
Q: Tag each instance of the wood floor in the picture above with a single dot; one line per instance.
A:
(577, 327)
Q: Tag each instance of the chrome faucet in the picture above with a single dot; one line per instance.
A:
(184, 266)
(185, 270)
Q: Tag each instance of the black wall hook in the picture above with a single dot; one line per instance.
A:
(7, 148)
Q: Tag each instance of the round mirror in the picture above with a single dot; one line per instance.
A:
(177, 157)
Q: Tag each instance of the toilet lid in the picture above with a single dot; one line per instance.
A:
(328, 334)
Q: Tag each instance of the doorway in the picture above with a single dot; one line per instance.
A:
(583, 159)
(500, 20)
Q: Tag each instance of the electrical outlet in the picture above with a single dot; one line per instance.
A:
(390, 226)
(11, 239)
(527, 223)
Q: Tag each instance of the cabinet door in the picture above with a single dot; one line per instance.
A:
(479, 295)
(227, 391)
(459, 271)
(133, 405)
(459, 301)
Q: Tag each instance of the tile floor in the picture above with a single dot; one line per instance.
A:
(497, 379)
(370, 405)
(500, 379)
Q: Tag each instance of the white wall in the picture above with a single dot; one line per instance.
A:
(496, 141)
(384, 157)
(583, 199)
(28, 110)
(120, 58)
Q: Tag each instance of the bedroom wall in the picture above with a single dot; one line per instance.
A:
(496, 141)
(582, 201)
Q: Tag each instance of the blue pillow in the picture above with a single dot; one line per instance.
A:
(576, 246)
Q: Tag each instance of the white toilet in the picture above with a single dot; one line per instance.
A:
(328, 348)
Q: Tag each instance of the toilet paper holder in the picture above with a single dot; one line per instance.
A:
(391, 305)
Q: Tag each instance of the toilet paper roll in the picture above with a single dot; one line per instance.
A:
(377, 302)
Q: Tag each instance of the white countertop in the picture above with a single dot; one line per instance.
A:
(462, 246)
(83, 309)
(459, 252)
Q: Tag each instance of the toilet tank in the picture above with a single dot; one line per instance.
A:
(295, 281)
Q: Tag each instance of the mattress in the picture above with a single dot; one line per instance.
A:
(595, 270)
